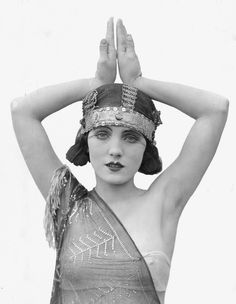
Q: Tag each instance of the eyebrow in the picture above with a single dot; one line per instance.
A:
(128, 130)
(133, 131)
(102, 127)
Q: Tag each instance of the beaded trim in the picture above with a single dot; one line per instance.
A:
(60, 197)
(53, 202)
(129, 96)
(119, 116)
(89, 101)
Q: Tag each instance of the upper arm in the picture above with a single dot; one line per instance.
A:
(181, 178)
(35, 147)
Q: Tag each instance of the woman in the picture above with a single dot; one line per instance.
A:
(115, 243)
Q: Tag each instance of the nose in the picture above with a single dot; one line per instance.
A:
(115, 148)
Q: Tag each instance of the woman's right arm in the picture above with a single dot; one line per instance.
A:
(27, 114)
(29, 111)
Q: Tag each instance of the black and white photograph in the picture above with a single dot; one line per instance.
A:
(118, 152)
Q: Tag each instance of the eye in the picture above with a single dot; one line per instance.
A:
(131, 137)
(101, 135)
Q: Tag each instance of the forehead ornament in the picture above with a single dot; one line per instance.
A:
(89, 102)
(124, 115)
(119, 116)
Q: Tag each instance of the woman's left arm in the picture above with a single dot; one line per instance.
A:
(209, 110)
(210, 113)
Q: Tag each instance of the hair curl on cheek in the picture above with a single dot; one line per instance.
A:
(151, 163)
(78, 154)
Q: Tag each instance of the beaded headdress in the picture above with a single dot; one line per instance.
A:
(120, 105)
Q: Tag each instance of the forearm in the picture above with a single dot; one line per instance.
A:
(191, 101)
(45, 101)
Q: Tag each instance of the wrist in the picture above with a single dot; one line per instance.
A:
(95, 83)
(138, 82)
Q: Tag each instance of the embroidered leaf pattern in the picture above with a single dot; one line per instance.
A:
(91, 244)
(84, 206)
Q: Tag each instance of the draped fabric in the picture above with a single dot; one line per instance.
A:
(97, 260)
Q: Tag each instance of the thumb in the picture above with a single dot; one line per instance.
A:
(103, 48)
(130, 44)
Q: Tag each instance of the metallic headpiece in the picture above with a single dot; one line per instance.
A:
(120, 105)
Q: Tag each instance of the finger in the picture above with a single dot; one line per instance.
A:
(110, 32)
(103, 49)
(124, 28)
(129, 40)
(130, 44)
(110, 38)
(120, 36)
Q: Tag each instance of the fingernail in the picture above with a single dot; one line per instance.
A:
(103, 41)
(129, 37)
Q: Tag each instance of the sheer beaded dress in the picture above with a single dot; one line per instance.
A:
(97, 261)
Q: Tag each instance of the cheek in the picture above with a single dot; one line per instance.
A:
(136, 156)
(95, 150)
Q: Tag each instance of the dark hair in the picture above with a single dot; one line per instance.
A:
(151, 163)
(118, 96)
(78, 155)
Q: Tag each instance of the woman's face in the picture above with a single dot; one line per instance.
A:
(115, 153)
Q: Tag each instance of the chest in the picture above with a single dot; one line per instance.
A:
(96, 238)
(149, 225)
(101, 242)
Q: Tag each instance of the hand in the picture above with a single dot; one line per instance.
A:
(128, 63)
(106, 66)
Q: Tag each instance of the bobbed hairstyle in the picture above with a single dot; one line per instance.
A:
(118, 105)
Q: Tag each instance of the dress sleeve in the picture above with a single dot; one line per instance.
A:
(59, 201)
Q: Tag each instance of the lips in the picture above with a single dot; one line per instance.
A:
(114, 165)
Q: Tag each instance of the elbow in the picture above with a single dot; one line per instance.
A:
(20, 106)
(220, 107)
(23, 107)
(223, 110)
(15, 104)
(224, 106)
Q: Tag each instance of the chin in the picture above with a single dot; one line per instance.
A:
(115, 179)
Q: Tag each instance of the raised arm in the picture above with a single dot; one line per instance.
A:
(210, 113)
(209, 110)
(29, 111)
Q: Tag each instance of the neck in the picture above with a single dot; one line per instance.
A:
(113, 193)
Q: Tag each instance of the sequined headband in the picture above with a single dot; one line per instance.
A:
(124, 115)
